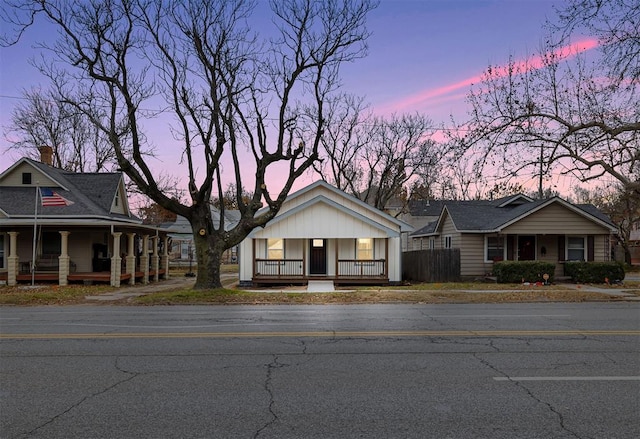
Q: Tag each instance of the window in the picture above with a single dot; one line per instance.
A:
(51, 243)
(2, 264)
(447, 241)
(26, 178)
(184, 250)
(364, 249)
(275, 248)
(494, 246)
(432, 243)
(575, 248)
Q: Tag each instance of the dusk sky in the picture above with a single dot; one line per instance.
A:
(423, 56)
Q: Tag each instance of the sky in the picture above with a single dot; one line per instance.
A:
(423, 56)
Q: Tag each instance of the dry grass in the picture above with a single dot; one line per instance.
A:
(369, 296)
(458, 292)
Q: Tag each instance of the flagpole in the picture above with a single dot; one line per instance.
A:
(35, 229)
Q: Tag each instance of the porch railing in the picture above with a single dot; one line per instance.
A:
(358, 268)
(279, 267)
(347, 268)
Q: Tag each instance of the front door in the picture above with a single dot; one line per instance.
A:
(318, 256)
(526, 248)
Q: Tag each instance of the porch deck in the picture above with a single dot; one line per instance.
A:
(94, 276)
(303, 280)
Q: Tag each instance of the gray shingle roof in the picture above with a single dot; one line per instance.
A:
(484, 215)
(92, 195)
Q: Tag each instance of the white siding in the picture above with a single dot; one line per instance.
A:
(320, 221)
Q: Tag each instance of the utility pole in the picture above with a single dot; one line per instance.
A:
(540, 191)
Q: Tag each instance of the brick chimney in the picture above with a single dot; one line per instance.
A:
(46, 155)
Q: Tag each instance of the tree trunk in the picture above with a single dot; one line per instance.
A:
(209, 247)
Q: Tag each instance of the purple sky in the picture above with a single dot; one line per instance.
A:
(422, 56)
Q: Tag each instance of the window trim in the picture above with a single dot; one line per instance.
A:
(486, 247)
(567, 249)
(447, 241)
(372, 250)
(268, 249)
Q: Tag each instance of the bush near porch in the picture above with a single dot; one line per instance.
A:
(594, 272)
(522, 271)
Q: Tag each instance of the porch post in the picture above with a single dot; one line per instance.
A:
(253, 258)
(116, 260)
(12, 260)
(386, 257)
(131, 258)
(165, 257)
(337, 265)
(155, 259)
(63, 259)
(144, 259)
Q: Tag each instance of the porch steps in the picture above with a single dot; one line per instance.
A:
(320, 286)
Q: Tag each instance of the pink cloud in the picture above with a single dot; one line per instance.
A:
(521, 66)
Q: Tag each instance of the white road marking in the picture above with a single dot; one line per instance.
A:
(570, 378)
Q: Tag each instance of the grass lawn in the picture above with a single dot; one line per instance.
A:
(453, 292)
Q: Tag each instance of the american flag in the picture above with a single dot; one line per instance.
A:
(51, 198)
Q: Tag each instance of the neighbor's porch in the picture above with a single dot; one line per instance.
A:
(85, 255)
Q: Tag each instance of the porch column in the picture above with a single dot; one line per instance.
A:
(337, 243)
(131, 258)
(386, 257)
(155, 259)
(63, 259)
(116, 260)
(144, 259)
(165, 257)
(13, 265)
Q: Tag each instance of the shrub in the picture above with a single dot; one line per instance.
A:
(517, 271)
(594, 272)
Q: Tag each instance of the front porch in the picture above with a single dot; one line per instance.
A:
(344, 261)
(84, 277)
(347, 272)
(92, 257)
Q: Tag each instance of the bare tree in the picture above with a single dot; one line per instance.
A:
(236, 98)
(44, 120)
(622, 207)
(616, 25)
(374, 158)
(562, 114)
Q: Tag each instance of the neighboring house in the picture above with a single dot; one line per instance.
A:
(182, 251)
(77, 225)
(518, 228)
(323, 233)
(634, 243)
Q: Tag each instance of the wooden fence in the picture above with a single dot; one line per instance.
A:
(442, 265)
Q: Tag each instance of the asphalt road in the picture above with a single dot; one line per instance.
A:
(375, 371)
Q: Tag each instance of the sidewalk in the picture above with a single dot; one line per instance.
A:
(127, 291)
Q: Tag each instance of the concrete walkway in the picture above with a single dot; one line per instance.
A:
(125, 292)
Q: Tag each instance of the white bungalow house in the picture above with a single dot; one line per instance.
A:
(323, 233)
(60, 226)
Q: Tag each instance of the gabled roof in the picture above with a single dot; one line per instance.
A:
(484, 216)
(92, 195)
(404, 227)
(321, 199)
